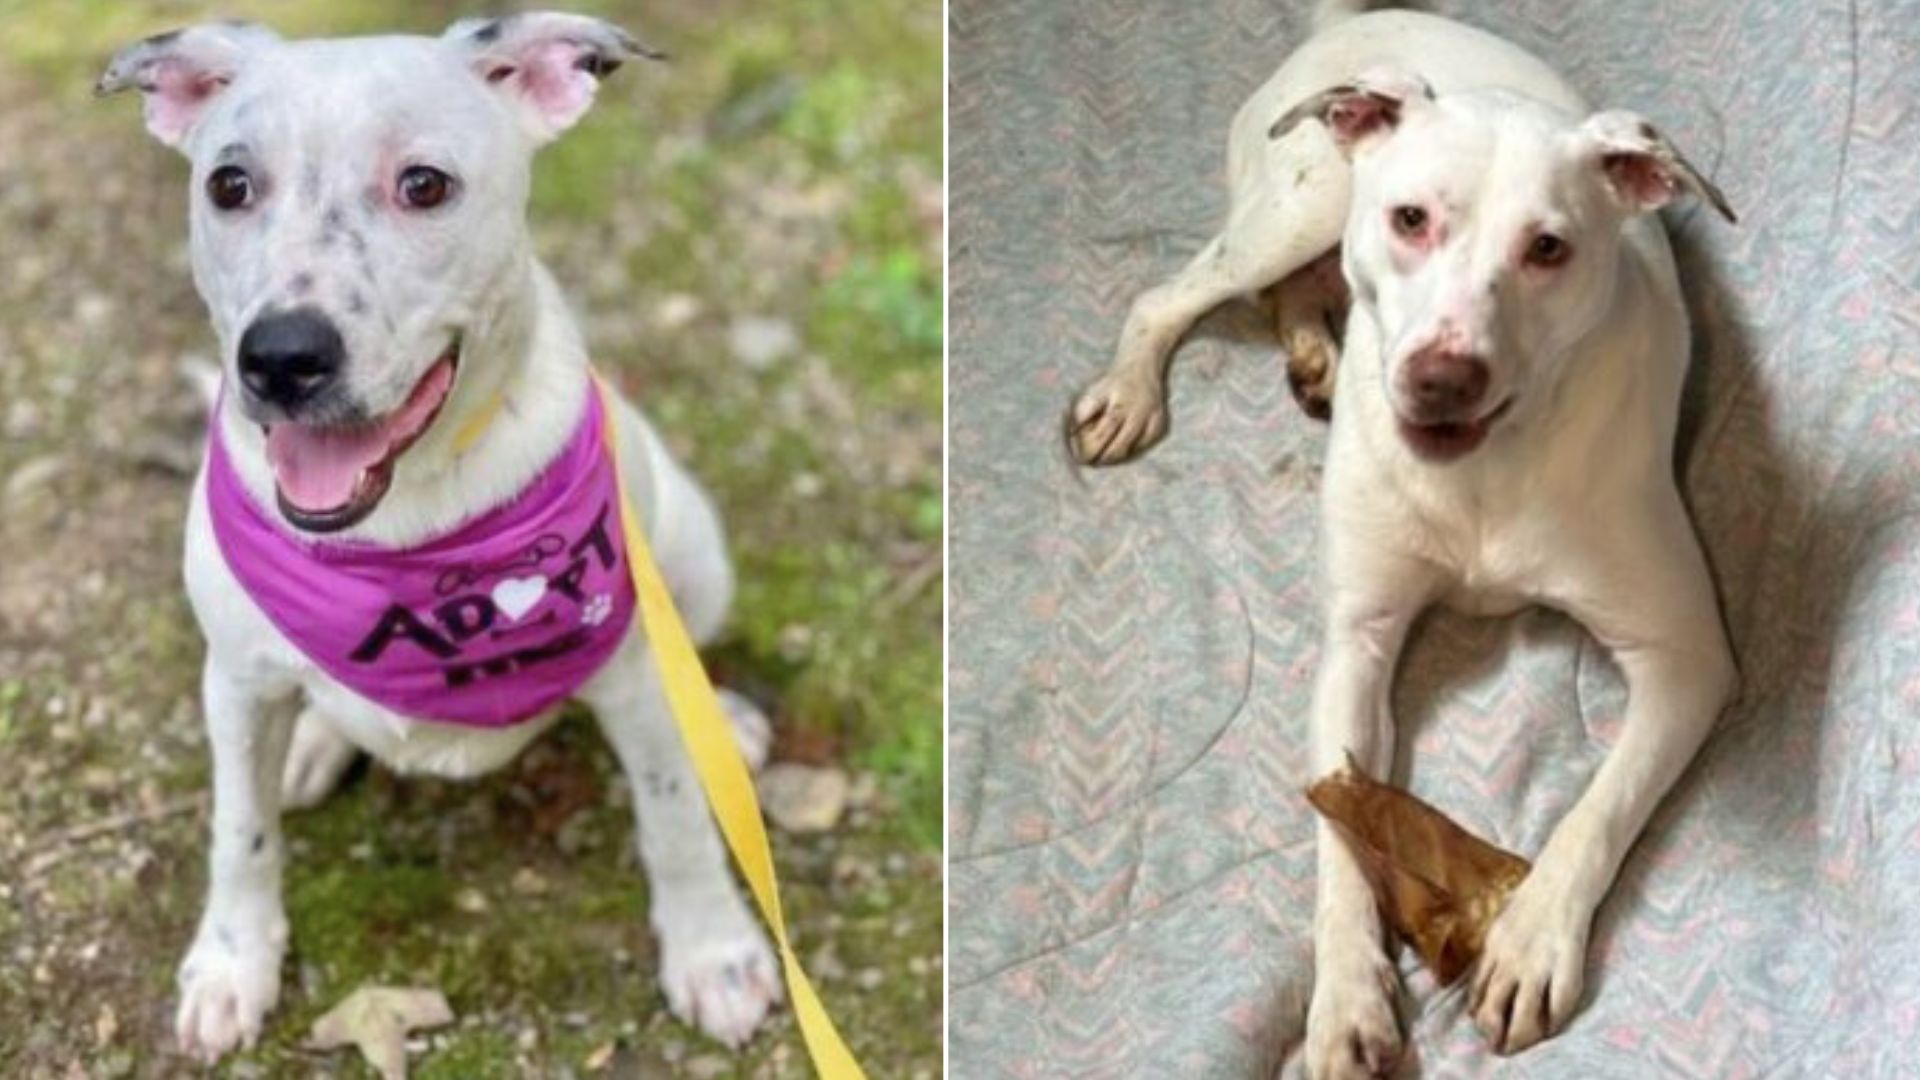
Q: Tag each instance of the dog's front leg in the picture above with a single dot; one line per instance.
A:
(231, 976)
(1651, 602)
(1351, 1027)
(716, 968)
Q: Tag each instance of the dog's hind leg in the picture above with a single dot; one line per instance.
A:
(692, 548)
(316, 761)
(1286, 213)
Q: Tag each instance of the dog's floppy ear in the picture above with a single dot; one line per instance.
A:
(547, 63)
(1643, 169)
(180, 72)
(1358, 112)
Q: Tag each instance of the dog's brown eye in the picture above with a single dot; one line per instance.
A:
(230, 187)
(1409, 220)
(1548, 250)
(423, 187)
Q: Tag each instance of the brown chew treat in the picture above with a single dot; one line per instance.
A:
(1439, 886)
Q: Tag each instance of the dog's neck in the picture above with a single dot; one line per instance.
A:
(522, 381)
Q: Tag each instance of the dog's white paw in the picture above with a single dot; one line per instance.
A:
(716, 967)
(316, 760)
(752, 731)
(1532, 971)
(229, 981)
(1116, 418)
(1351, 1027)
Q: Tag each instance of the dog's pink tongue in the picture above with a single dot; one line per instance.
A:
(318, 469)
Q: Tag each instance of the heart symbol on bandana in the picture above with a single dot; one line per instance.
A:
(517, 596)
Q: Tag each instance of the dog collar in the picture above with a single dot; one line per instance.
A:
(486, 626)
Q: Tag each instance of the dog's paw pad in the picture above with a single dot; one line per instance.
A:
(1114, 419)
(1351, 1027)
(1530, 976)
(1313, 359)
(724, 987)
(224, 999)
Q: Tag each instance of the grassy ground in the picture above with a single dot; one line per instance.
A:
(784, 167)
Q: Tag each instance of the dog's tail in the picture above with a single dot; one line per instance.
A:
(1328, 13)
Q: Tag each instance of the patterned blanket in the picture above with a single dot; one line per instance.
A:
(1133, 648)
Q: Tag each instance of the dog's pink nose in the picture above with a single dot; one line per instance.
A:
(1444, 384)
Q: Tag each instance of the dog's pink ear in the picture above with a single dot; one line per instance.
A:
(179, 73)
(1359, 112)
(548, 64)
(1643, 170)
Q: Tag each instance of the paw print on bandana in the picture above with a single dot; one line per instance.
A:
(597, 609)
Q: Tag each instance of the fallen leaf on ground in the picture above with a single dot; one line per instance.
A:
(377, 1019)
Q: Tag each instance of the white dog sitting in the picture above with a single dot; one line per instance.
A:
(1503, 431)
(404, 515)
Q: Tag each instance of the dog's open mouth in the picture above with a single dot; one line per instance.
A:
(1452, 439)
(328, 478)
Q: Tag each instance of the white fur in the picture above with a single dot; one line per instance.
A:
(325, 120)
(1570, 501)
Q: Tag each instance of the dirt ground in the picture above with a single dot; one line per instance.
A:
(751, 234)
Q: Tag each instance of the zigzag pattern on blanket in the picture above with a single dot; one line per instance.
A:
(1133, 649)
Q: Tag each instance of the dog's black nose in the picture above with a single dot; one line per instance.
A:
(289, 358)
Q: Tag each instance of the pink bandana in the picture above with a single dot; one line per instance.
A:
(485, 626)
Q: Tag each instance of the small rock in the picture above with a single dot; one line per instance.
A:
(105, 1026)
(529, 882)
(470, 900)
(598, 1059)
(759, 340)
(826, 965)
(676, 311)
(575, 834)
(707, 1066)
(869, 979)
(803, 798)
(795, 642)
(33, 475)
(93, 309)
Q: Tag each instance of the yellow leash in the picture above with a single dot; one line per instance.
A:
(723, 775)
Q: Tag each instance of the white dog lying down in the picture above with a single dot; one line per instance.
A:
(1503, 426)
(399, 368)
